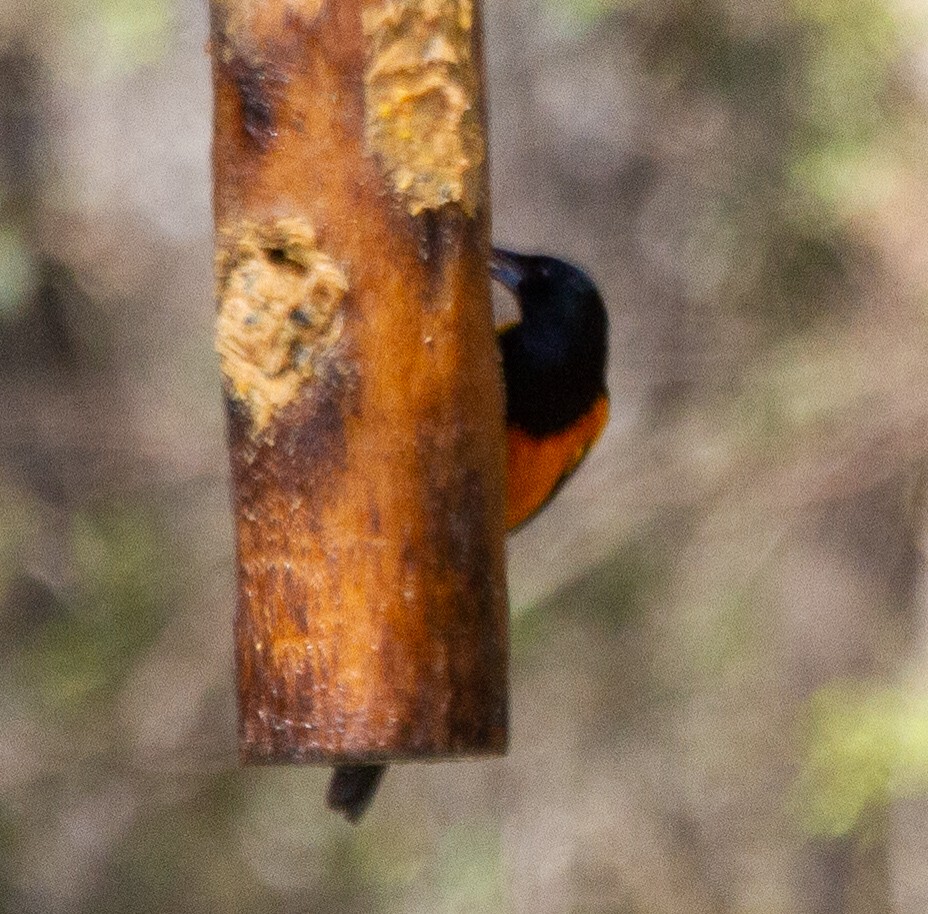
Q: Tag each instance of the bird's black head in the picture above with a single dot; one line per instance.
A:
(554, 361)
(536, 278)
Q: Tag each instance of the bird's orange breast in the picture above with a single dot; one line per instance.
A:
(537, 466)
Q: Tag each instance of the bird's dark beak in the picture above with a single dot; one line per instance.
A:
(506, 267)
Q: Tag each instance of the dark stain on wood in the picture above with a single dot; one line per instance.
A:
(305, 447)
(439, 236)
(258, 89)
(257, 68)
(429, 229)
(460, 525)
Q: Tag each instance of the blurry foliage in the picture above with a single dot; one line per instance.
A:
(470, 873)
(848, 116)
(105, 39)
(863, 745)
(577, 16)
(729, 633)
(19, 519)
(610, 594)
(115, 606)
(17, 272)
(844, 134)
(819, 78)
(184, 853)
(250, 839)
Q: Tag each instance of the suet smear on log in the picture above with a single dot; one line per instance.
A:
(279, 314)
(422, 119)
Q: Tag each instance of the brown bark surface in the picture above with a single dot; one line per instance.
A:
(365, 403)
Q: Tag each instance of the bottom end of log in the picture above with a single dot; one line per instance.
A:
(261, 744)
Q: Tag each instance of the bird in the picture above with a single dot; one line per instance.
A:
(554, 362)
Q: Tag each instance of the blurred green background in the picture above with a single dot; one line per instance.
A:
(720, 639)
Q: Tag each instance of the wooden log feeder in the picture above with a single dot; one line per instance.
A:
(365, 403)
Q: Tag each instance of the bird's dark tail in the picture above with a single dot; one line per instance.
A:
(352, 789)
